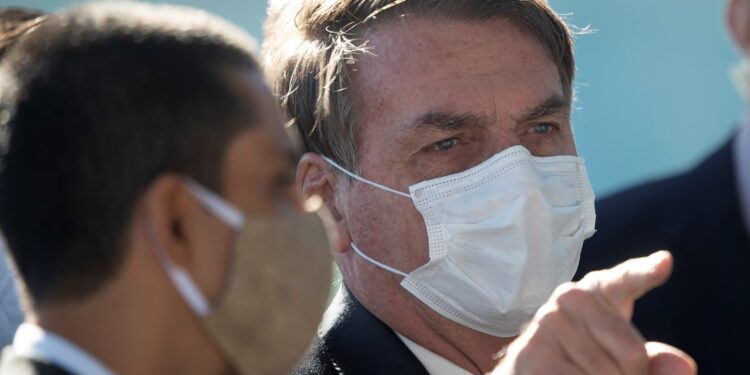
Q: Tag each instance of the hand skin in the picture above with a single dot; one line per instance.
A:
(585, 328)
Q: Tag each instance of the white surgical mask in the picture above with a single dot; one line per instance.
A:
(502, 236)
(273, 257)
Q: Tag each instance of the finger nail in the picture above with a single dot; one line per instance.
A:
(660, 255)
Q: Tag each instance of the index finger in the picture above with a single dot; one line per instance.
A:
(630, 280)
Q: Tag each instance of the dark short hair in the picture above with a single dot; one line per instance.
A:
(95, 104)
(16, 22)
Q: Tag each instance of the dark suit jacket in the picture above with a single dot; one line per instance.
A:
(704, 308)
(355, 342)
(12, 364)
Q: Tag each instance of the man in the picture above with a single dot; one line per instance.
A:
(439, 139)
(141, 145)
(14, 24)
(703, 217)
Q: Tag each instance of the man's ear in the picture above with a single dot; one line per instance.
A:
(164, 204)
(738, 22)
(316, 178)
(192, 238)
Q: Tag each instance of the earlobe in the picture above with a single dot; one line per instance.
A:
(738, 22)
(315, 178)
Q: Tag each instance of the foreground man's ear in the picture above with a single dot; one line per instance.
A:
(162, 203)
(315, 178)
(738, 22)
(176, 219)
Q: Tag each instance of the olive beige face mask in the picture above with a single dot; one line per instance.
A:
(275, 292)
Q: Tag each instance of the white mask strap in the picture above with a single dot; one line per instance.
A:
(218, 206)
(375, 262)
(180, 278)
(362, 179)
(740, 75)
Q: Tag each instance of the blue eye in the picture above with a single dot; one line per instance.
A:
(542, 128)
(446, 144)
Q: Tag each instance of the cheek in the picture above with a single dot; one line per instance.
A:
(386, 227)
(214, 263)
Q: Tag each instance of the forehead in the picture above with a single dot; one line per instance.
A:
(419, 64)
(260, 155)
(251, 88)
(264, 138)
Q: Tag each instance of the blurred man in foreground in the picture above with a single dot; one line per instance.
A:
(14, 24)
(703, 217)
(438, 135)
(141, 147)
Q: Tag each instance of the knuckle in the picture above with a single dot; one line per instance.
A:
(551, 316)
(572, 297)
(593, 277)
(564, 288)
(550, 320)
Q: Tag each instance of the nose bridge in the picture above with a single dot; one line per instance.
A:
(502, 135)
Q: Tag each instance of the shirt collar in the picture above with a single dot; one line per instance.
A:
(433, 363)
(742, 170)
(33, 342)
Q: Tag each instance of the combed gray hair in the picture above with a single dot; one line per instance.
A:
(310, 45)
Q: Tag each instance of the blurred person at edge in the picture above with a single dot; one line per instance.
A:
(147, 200)
(438, 136)
(14, 24)
(702, 216)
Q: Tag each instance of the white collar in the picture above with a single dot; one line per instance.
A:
(742, 170)
(33, 342)
(433, 363)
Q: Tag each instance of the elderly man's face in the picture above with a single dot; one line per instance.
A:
(437, 97)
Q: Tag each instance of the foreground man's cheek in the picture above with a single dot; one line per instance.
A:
(585, 328)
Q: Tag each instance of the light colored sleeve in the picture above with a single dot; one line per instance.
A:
(11, 315)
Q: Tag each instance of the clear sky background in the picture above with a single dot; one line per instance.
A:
(654, 95)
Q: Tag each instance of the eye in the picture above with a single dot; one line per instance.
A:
(445, 144)
(543, 128)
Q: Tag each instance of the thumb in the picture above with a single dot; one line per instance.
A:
(668, 360)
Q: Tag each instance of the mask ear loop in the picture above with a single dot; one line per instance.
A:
(217, 205)
(375, 262)
(364, 180)
(379, 186)
(180, 278)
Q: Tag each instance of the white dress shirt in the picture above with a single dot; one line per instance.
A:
(742, 170)
(433, 363)
(33, 342)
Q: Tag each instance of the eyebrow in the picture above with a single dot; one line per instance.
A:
(552, 105)
(448, 121)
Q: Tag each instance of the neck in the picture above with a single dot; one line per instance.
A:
(135, 325)
(471, 350)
